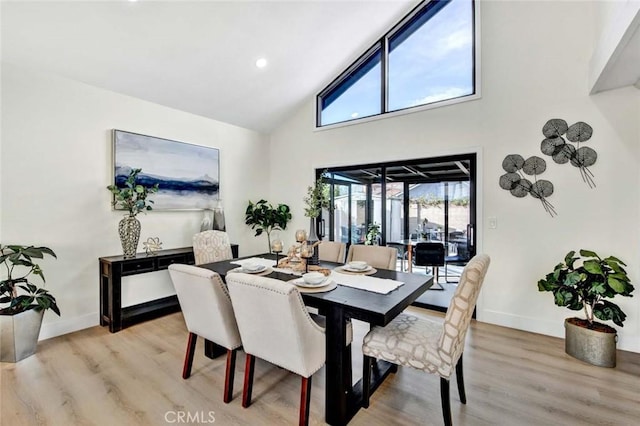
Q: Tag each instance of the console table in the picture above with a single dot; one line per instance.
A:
(113, 268)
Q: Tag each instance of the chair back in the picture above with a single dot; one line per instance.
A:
(211, 246)
(275, 325)
(458, 316)
(429, 254)
(332, 251)
(206, 305)
(377, 256)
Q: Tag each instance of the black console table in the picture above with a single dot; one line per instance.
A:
(113, 268)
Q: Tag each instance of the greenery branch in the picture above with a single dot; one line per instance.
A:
(317, 198)
(133, 196)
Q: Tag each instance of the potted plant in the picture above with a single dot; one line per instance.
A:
(263, 217)
(584, 283)
(133, 198)
(372, 234)
(22, 304)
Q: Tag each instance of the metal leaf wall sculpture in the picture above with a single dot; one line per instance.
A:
(563, 152)
(519, 186)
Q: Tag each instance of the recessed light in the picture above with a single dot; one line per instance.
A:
(261, 63)
(355, 115)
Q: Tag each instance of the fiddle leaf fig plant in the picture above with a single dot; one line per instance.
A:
(585, 282)
(263, 217)
(16, 291)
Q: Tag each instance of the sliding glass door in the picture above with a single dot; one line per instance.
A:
(431, 199)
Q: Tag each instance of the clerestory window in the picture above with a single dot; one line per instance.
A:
(427, 58)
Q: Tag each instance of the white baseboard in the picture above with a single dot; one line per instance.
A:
(548, 327)
(58, 328)
(533, 325)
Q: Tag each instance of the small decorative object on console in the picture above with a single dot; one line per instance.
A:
(152, 246)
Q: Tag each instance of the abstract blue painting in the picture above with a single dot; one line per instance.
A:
(188, 176)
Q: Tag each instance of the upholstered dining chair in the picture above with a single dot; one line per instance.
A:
(275, 326)
(432, 346)
(332, 251)
(377, 256)
(211, 246)
(207, 310)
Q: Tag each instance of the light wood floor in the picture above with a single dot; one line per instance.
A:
(134, 378)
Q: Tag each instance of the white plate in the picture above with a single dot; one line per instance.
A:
(350, 269)
(255, 271)
(300, 283)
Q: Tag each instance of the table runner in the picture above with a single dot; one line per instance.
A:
(363, 282)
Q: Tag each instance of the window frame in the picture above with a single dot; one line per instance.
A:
(382, 45)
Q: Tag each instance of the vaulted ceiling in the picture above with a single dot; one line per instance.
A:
(199, 56)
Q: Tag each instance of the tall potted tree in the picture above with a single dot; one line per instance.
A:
(583, 283)
(263, 217)
(22, 304)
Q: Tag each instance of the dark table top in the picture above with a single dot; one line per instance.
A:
(375, 308)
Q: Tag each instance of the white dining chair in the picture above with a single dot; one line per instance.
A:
(377, 256)
(431, 346)
(211, 246)
(332, 251)
(208, 313)
(276, 327)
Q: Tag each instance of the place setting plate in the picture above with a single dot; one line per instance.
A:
(261, 270)
(347, 269)
(327, 285)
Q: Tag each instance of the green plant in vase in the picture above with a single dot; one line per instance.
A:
(132, 197)
(373, 231)
(317, 198)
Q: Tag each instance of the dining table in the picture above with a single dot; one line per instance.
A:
(343, 399)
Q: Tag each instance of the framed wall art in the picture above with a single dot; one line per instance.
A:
(188, 176)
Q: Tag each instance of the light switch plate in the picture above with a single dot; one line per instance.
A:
(493, 222)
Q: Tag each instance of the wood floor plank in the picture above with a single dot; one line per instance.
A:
(133, 377)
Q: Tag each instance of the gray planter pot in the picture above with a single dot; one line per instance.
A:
(592, 346)
(19, 335)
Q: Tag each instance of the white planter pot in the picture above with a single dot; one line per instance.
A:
(19, 335)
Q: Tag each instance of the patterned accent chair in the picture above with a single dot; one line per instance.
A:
(211, 246)
(427, 345)
(276, 327)
(377, 256)
(332, 251)
(207, 310)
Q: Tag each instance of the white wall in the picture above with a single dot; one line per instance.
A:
(535, 67)
(55, 166)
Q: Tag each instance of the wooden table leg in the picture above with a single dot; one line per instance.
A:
(409, 258)
(339, 407)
